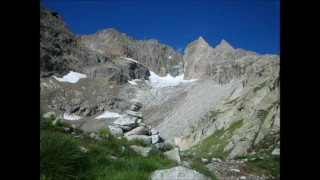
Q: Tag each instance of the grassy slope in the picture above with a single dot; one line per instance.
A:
(61, 157)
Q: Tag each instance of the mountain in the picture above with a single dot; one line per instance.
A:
(61, 51)
(159, 58)
(211, 102)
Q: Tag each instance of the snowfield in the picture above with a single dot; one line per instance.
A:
(72, 77)
(108, 114)
(71, 117)
(167, 81)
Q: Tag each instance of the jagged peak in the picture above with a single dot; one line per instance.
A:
(224, 44)
(200, 39)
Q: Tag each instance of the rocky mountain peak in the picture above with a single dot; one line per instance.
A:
(202, 42)
(224, 45)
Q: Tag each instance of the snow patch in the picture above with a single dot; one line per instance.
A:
(71, 117)
(108, 114)
(72, 77)
(167, 81)
(133, 82)
(130, 59)
(169, 57)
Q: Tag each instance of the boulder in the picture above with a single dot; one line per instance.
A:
(135, 114)
(176, 173)
(134, 108)
(140, 130)
(115, 131)
(143, 151)
(136, 103)
(127, 121)
(174, 155)
(155, 138)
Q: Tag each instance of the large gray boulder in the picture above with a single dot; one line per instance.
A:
(174, 154)
(135, 114)
(176, 173)
(143, 151)
(127, 121)
(115, 131)
(140, 130)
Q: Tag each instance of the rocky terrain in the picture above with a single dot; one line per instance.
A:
(209, 102)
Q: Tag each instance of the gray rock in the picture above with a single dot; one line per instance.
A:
(49, 114)
(83, 149)
(145, 138)
(92, 135)
(113, 158)
(159, 145)
(127, 121)
(276, 152)
(135, 114)
(216, 159)
(95, 136)
(154, 131)
(140, 130)
(243, 177)
(115, 131)
(136, 103)
(174, 154)
(67, 130)
(204, 160)
(143, 151)
(139, 121)
(123, 148)
(155, 138)
(210, 166)
(185, 164)
(134, 108)
(126, 128)
(176, 173)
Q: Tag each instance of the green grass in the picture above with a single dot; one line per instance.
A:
(61, 157)
(213, 146)
(268, 164)
(201, 168)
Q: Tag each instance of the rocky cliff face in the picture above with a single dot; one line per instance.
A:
(160, 58)
(221, 63)
(236, 92)
(253, 108)
(61, 51)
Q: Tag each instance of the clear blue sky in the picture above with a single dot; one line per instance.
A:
(251, 25)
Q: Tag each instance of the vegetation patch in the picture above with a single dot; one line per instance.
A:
(62, 155)
(232, 102)
(263, 161)
(213, 146)
(198, 165)
(260, 86)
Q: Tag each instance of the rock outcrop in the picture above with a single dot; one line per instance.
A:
(221, 63)
(254, 106)
(178, 172)
(159, 58)
(61, 51)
